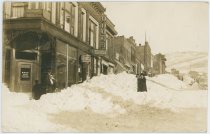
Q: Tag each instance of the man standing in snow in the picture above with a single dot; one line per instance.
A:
(142, 87)
(37, 90)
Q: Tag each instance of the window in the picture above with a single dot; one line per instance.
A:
(69, 12)
(18, 9)
(48, 6)
(32, 5)
(95, 66)
(82, 25)
(25, 55)
(62, 15)
(61, 64)
(66, 64)
(92, 33)
(72, 56)
(107, 41)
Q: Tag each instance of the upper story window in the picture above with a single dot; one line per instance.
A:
(133, 53)
(108, 40)
(69, 16)
(32, 5)
(45, 5)
(82, 25)
(18, 9)
(93, 32)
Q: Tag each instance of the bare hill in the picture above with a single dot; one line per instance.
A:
(188, 61)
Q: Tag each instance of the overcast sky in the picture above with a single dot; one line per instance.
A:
(169, 26)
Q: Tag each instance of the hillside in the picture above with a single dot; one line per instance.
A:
(188, 61)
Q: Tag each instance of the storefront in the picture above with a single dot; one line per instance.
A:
(31, 55)
(107, 67)
(28, 56)
(66, 64)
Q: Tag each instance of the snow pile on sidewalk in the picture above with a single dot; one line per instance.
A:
(78, 98)
(17, 117)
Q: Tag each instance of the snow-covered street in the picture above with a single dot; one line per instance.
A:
(109, 103)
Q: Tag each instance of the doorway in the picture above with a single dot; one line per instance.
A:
(24, 76)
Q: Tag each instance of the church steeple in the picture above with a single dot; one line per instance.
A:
(146, 42)
(145, 36)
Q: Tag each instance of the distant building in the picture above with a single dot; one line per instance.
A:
(159, 65)
(144, 54)
(125, 54)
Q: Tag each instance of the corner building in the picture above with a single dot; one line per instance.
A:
(60, 37)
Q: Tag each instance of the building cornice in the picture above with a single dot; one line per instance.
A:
(98, 6)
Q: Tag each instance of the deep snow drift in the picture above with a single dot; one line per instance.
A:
(99, 94)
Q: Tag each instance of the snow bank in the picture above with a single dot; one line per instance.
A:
(78, 98)
(164, 91)
(169, 81)
(104, 94)
(18, 117)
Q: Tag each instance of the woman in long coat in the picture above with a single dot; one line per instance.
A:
(142, 86)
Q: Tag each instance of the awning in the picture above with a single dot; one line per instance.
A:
(105, 63)
(127, 64)
(111, 64)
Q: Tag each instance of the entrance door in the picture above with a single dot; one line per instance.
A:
(24, 76)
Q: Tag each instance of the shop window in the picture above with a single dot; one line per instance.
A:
(71, 72)
(72, 56)
(61, 64)
(95, 66)
(7, 66)
(25, 55)
(66, 64)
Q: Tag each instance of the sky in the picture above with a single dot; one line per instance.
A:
(168, 26)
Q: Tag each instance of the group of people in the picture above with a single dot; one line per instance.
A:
(141, 83)
(49, 87)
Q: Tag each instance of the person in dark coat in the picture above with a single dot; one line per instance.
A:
(37, 90)
(142, 87)
(50, 83)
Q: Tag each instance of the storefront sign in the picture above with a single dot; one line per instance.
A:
(86, 58)
(103, 33)
(25, 73)
(100, 52)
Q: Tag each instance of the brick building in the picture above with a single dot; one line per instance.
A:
(60, 37)
(145, 55)
(125, 54)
